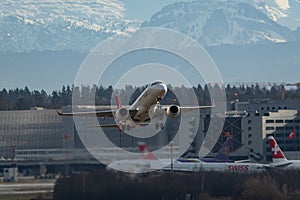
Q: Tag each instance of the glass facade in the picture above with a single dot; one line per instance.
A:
(29, 129)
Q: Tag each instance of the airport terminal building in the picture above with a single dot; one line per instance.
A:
(29, 129)
(41, 133)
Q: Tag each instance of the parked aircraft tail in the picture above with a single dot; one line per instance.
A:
(146, 153)
(225, 149)
(222, 155)
(119, 103)
(277, 154)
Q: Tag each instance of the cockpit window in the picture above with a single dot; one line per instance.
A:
(156, 82)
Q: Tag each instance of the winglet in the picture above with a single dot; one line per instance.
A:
(146, 153)
(59, 113)
(119, 103)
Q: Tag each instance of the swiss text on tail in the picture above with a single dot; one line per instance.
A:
(145, 152)
(277, 154)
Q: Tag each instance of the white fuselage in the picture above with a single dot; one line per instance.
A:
(222, 167)
(149, 97)
(288, 164)
(141, 165)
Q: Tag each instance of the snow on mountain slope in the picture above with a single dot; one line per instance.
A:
(59, 24)
(285, 12)
(220, 22)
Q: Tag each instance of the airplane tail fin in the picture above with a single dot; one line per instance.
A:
(277, 154)
(146, 153)
(225, 149)
(119, 103)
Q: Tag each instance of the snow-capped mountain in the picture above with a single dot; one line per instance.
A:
(221, 22)
(76, 25)
(59, 24)
(285, 12)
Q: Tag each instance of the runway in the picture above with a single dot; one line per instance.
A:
(26, 189)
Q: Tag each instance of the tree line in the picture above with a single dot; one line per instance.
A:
(23, 98)
(102, 184)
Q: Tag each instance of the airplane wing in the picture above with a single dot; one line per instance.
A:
(192, 108)
(100, 113)
(104, 113)
(188, 108)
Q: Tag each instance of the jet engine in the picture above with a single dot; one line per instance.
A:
(173, 111)
(122, 114)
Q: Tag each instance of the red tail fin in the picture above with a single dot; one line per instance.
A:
(119, 103)
(293, 134)
(277, 154)
(146, 153)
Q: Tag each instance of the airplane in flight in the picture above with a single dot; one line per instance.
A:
(279, 159)
(146, 107)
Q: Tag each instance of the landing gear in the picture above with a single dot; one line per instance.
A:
(159, 126)
(124, 128)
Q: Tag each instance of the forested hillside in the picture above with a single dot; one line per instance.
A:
(23, 98)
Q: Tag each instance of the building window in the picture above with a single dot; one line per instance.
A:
(279, 121)
(269, 128)
(280, 142)
(289, 121)
(279, 128)
(289, 141)
(280, 135)
(269, 121)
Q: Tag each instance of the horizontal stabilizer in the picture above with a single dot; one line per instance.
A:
(281, 164)
(105, 126)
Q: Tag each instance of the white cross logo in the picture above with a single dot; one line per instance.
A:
(275, 149)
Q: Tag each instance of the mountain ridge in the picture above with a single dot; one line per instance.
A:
(215, 23)
(79, 26)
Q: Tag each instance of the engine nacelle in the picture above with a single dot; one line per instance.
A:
(122, 114)
(173, 111)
